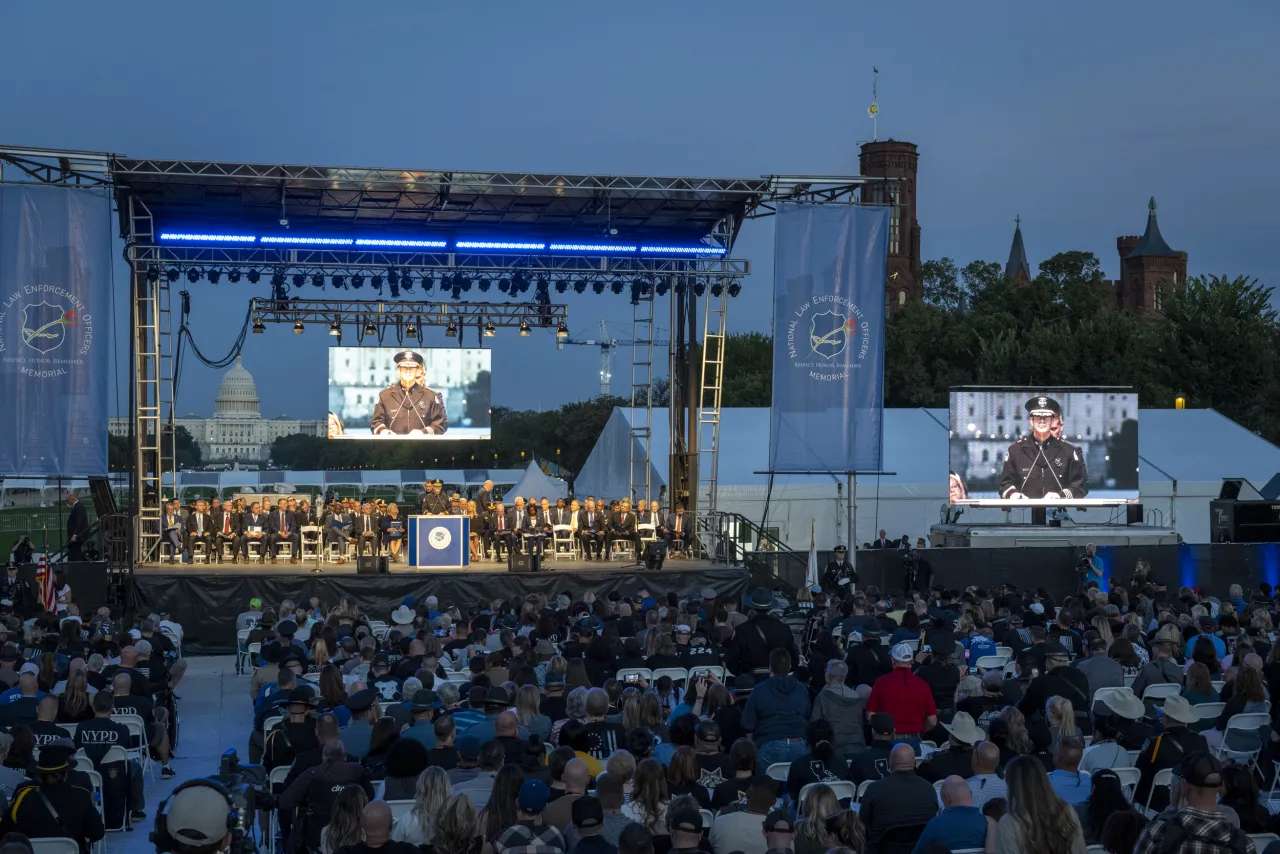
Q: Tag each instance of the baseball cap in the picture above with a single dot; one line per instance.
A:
(882, 723)
(255, 602)
(533, 796)
(143, 647)
(779, 821)
(686, 820)
(708, 731)
(286, 627)
(707, 593)
(901, 652)
(683, 629)
(587, 813)
(469, 748)
(1037, 608)
(197, 816)
(425, 700)
(9, 653)
(30, 667)
(1201, 769)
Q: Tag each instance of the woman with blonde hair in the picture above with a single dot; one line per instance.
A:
(623, 766)
(1037, 819)
(811, 833)
(418, 826)
(648, 804)
(343, 828)
(527, 701)
(1060, 715)
(319, 656)
(1103, 627)
(455, 831)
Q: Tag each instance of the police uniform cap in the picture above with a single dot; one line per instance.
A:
(361, 700)
(300, 696)
(410, 357)
(1042, 405)
(56, 755)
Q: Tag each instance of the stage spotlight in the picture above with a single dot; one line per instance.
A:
(393, 278)
(699, 288)
(258, 327)
(411, 329)
(299, 280)
(338, 281)
(214, 275)
(504, 284)
(427, 283)
(561, 286)
(734, 289)
(335, 328)
(357, 281)
(317, 279)
(664, 285)
(395, 290)
(489, 329)
(193, 275)
(598, 286)
(466, 284)
(254, 277)
(679, 288)
(153, 275)
(172, 274)
(542, 284)
(519, 282)
(524, 329)
(562, 331)
(615, 286)
(277, 280)
(717, 289)
(406, 283)
(376, 283)
(483, 284)
(370, 328)
(451, 330)
(298, 328)
(233, 276)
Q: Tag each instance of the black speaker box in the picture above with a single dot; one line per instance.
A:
(524, 563)
(1133, 514)
(371, 565)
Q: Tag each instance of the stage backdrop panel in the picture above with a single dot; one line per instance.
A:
(828, 337)
(55, 299)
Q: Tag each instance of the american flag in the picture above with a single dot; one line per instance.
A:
(44, 577)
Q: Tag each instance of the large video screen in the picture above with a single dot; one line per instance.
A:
(1043, 446)
(409, 393)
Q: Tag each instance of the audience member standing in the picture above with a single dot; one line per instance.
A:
(776, 713)
(905, 697)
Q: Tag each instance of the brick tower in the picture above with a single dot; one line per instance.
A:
(1145, 263)
(890, 158)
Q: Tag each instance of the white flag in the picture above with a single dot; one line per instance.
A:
(811, 576)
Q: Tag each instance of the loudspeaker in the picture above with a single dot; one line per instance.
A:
(1133, 514)
(371, 565)
(524, 563)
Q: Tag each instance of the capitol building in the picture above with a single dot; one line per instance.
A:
(237, 432)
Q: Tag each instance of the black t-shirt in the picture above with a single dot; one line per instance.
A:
(730, 720)
(734, 791)
(603, 738)
(19, 710)
(132, 704)
(443, 757)
(97, 735)
(46, 732)
(872, 763)
(716, 768)
(808, 769)
(138, 681)
(942, 680)
(698, 793)
(982, 709)
(553, 708)
(388, 847)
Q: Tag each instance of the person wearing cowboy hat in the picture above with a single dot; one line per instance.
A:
(402, 617)
(1105, 750)
(296, 733)
(1040, 465)
(957, 757)
(54, 806)
(839, 576)
(409, 407)
(749, 648)
(1168, 750)
(1125, 711)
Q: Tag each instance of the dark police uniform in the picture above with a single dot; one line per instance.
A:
(400, 410)
(58, 809)
(435, 504)
(834, 572)
(16, 591)
(1035, 469)
(753, 640)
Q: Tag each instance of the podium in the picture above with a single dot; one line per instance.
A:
(439, 542)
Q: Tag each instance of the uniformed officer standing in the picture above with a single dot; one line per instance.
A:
(1040, 465)
(752, 641)
(409, 408)
(15, 590)
(839, 577)
(52, 806)
(434, 502)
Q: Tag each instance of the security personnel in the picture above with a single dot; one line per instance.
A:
(53, 806)
(753, 640)
(839, 577)
(434, 502)
(409, 408)
(1040, 465)
(15, 590)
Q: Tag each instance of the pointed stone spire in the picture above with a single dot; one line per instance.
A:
(1152, 242)
(1017, 269)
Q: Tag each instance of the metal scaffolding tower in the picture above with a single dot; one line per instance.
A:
(641, 394)
(709, 394)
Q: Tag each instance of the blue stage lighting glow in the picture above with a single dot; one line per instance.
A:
(426, 244)
(684, 250)
(209, 238)
(484, 244)
(310, 241)
(590, 247)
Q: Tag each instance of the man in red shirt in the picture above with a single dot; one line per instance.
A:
(905, 697)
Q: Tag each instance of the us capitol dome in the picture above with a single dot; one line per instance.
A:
(237, 432)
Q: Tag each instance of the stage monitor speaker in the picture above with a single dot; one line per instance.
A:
(1133, 514)
(524, 563)
(371, 565)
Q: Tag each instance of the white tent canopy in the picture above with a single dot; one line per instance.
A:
(534, 483)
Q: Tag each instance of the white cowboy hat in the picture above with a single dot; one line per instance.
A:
(962, 728)
(1179, 709)
(403, 616)
(1124, 703)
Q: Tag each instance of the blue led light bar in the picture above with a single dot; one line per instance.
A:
(591, 247)
(209, 238)
(476, 244)
(684, 250)
(310, 241)
(427, 244)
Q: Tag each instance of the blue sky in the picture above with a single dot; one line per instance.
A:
(1071, 115)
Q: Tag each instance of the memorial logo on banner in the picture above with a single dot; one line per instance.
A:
(55, 280)
(828, 351)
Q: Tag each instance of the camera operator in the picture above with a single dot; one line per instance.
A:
(917, 573)
(52, 806)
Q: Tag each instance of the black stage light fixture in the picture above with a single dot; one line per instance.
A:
(277, 279)
(172, 274)
(335, 328)
(411, 329)
(153, 275)
(483, 284)
(524, 329)
(427, 283)
(376, 283)
(489, 329)
(717, 289)
(699, 288)
(193, 275)
(258, 326)
(679, 287)
(233, 276)
(214, 275)
(615, 286)
(598, 286)
(393, 278)
(357, 281)
(395, 289)
(254, 277)
(562, 331)
(451, 330)
(734, 289)
(299, 280)
(298, 328)
(466, 283)
(338, 281)
(561, 286)
(504, 284)
(635, 293)
(580, 286)
(370, 328)
(664, 285)
(317, 279)
(406, 283)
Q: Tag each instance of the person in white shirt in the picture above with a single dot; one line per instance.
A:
(1104, 751)
(985, 783)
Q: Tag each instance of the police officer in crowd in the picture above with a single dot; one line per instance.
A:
(839, 576)
(752, 641)
(1042, 465)
(409, 407)
(14, 591)
(52, 806)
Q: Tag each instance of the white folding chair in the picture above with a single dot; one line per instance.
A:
(1260, 840)
(1006, 651)
(199, 553)
(379, 789)
(563, 543)
(95, 779)
(913, 644)
(254, 650)
(137, 729)
(1011, 670)
(648, 534)
(268, 723)
(1161, 779)
(843, 789)
(991, 662)
(254, 548)
(70, 730)
(714, 670)
(1133, 757)
(310, 541)
(1209, 711)
(677, 674)
(1129, 778)
(778, 771)
(862, 787)
(708, 817)
(275, 778)
(242, 639)
(635, 671)
(399, 809)
(1162, 691)
(83, 762)
(55, 845)
(458, 677)
(1250, 723)
(1218, 685)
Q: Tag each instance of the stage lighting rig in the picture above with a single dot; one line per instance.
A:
(580, 286)
(598, 286)
(524, 329)
(299, 280)
(193, 275)
(504, 284)
(562, 331)
(734, 289)
(214, 275)
(411, 330)
(298, 328)
(451, 330)
(406, 283)
(395, 289)
(254, 277)
(172, 274)
(153, 275)
(258, 326)
(338, 281)
(277, 279)
(699, 288)
(428, 282)
(489, 329)
(561, 286)
(717, 289)
(616, 287)
(393, 278)
(664, 285)
(335, 328)
(233, 276)
(317, 279)
(357, 281)
(375, 282)
(483, 284)
(370, 328)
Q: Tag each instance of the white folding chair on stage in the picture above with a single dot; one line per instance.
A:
(225, 551)
(648, 534)
(622, 549)
(199, 553)
(255, 549)
(310, 541)
(563, 543)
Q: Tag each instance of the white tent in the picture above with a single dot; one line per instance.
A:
(1185, 453)
(534, 483)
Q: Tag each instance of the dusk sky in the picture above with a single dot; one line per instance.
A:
(1070, 115)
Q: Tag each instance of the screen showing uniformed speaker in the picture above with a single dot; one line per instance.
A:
(1064, 447)
(411, 393)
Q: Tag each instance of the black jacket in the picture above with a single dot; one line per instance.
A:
(752, 642)
(73, 814)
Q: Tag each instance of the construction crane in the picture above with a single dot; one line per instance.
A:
(607, 345)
